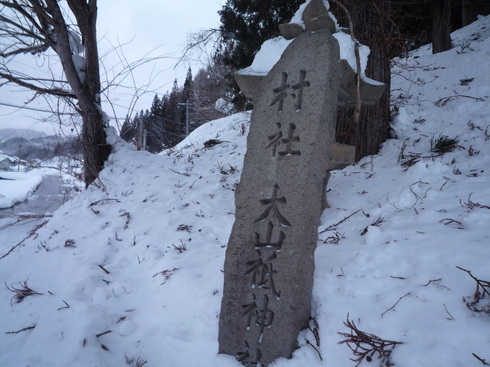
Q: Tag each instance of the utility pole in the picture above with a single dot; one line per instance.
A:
(186, 104)
(141, 134)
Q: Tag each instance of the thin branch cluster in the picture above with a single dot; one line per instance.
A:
(482, 290)
(22, 292)
(365, 345)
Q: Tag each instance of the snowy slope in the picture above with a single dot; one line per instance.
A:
(131, 271)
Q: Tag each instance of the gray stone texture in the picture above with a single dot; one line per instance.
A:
(371, 90)
(269, 262)
(290, 30)
(248, 83)
(342, 156)
(315, 16)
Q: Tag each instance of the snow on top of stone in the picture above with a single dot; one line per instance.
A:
(271, 50)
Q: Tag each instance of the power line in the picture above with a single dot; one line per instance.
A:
(35, 109)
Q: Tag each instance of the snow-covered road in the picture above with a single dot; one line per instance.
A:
(16, 222)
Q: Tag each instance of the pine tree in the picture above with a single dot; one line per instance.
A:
(188, 92)
(173, 128)
(154, 126)
(246, 24)
(187, 96)
(156, 106)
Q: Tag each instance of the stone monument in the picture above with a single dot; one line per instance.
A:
(269, 262)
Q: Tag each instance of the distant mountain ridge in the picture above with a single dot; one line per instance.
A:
(28, 134)
(30, 144)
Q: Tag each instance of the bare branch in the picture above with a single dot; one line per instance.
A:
(55, 91)
(30, 234)
(364, 345)
(199, 41)
(392, 307)
(37, 49)
(481, 359)
(21, 330)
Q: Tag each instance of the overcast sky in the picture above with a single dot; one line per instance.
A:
(157, 26)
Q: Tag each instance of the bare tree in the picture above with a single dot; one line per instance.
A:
(37, 26)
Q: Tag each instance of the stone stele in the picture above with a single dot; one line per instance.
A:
(269, 262)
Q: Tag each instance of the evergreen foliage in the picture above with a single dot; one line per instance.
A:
(246, 24)
(396, 27)
(164, 124)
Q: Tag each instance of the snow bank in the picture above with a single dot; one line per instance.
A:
(15, 187)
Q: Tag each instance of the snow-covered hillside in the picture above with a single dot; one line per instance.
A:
(28, 134)
(131, 271)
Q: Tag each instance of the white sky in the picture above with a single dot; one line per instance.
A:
(161, 26)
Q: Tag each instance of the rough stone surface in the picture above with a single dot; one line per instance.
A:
(342, 156)
(315, 17)
(248, 84)
(269, 262)
(290, 30)
(371, 90)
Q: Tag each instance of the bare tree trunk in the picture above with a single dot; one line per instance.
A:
(372, 28)
(441, 26)
(34, 26)
(94, 147)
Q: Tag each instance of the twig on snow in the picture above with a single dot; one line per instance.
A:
(31, 233)
(365, 345)
(315, 348)
(22, 292)
(447, 221)
(481, 359)
(392, 307)
(451, 316)
(104, 333)
(105, 270)
(482, 289)
(443, 101)
(21, 330)
(470, 204)
(67, 306)
(333, 226)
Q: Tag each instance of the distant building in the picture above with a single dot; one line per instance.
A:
(6, 163)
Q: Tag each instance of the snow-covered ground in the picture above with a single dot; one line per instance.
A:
(17, 186)
(131, 271)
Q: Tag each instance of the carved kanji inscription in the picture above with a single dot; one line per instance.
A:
(299, 88)
(275, 139)
(273, 209)
(281, 92)
(289, 140)
(267, 241)
(269, 263)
